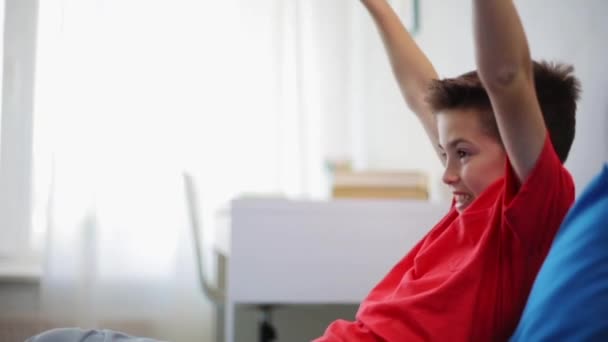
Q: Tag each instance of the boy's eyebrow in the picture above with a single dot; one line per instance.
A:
(454, 142)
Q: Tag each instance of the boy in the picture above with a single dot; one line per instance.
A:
(469, 277)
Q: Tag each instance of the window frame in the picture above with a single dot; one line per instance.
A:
(16, 129)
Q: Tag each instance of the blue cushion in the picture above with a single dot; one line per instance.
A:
(569, 299)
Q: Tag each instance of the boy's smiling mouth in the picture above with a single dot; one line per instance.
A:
(462, 199)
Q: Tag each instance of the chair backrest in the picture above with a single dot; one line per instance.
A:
(214, 293)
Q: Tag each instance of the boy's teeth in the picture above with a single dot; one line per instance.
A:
(461, 198)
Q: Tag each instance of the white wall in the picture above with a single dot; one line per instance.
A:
(572, 32)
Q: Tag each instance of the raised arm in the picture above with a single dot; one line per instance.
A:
(412, 69)
(505, 69)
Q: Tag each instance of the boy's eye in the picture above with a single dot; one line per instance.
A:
(462, 154)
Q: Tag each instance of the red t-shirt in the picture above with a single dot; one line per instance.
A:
(470, 276)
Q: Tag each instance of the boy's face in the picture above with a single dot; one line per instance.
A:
(472, 159)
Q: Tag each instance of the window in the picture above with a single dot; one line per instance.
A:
(19, 25)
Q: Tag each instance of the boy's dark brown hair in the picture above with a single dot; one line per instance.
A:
(556, 88)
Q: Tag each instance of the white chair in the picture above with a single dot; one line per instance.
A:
(216, 293)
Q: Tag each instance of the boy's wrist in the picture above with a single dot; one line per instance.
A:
(367, 2)
(376, 6)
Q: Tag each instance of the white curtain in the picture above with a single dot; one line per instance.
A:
(129, 94)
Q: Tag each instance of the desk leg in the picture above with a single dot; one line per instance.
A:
(229, 321)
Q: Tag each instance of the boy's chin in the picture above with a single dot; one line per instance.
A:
(460, 207)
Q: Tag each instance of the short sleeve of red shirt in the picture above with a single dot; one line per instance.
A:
(534, 210)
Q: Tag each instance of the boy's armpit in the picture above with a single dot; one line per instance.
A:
(539, 204)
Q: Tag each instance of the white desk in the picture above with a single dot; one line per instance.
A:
(305, 252)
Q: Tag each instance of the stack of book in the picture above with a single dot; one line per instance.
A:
(380, 184)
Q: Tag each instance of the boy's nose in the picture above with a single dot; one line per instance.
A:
(449, 176)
